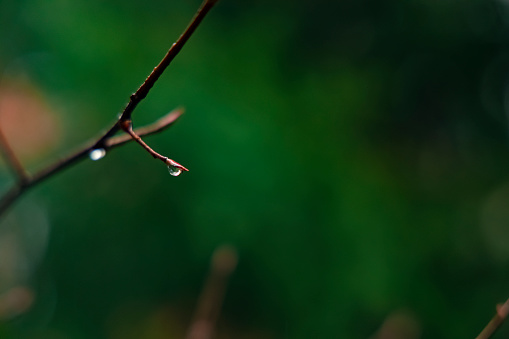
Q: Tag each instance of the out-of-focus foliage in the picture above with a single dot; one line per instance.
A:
(354, 152)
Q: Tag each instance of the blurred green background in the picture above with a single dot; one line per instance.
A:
(355, 153)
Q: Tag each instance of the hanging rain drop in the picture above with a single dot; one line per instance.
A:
(97, 154)
(175, 171)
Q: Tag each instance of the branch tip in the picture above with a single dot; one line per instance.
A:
(175, 164)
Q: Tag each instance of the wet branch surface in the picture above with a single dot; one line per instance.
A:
(108, 140)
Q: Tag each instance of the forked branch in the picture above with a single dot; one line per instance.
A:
(108, 140)
(83, 152)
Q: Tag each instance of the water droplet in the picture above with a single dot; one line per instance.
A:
(175, 171)
(97, 154)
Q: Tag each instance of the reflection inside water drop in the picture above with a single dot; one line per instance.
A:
(97, 154)
(175, 171)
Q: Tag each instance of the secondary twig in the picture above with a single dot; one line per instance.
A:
(497, 320)
(127, 126)
(12, 161)
(158, 126)
(224, 262)
(107, 140)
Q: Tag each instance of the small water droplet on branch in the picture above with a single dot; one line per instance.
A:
(97, 154)
(175, 171)
(174, 167)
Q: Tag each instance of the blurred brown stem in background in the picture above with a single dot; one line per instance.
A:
(223, 263)
(400, 324)
(107, 140)
(15, 301)
(12, 160)
(497, 320)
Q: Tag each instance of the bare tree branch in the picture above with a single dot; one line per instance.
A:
(107, 140)
(142, 92)
(497, 320)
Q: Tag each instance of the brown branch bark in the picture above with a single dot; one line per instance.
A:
(495, 323)
(143, 90)
(107, 140)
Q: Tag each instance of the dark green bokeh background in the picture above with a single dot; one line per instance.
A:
(354, 152)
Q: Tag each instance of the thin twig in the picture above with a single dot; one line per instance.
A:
(497, 320)
(12, 161)
(127, 127)
(224, 262)
(107, 140)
